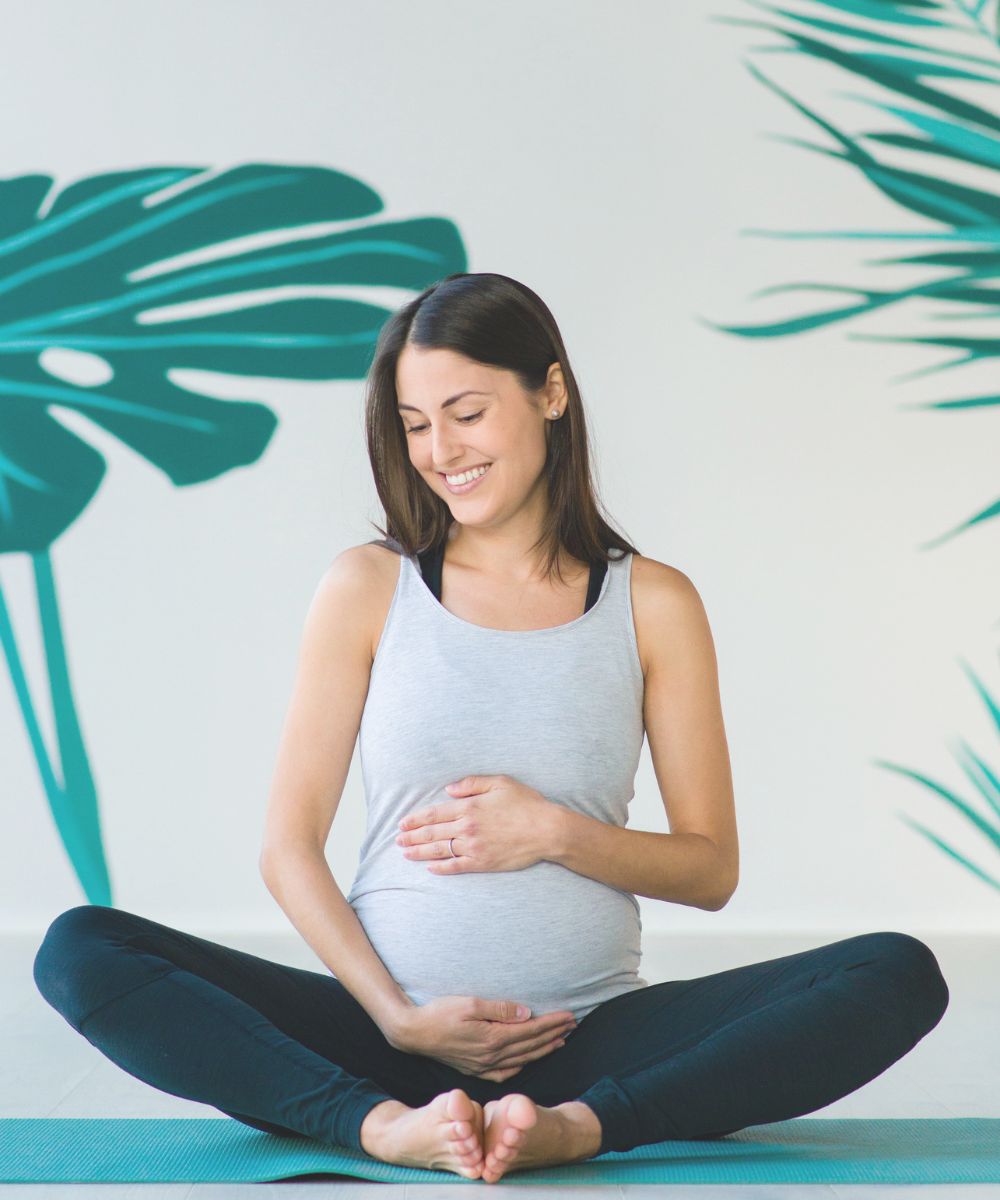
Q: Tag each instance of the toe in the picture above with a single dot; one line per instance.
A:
(522, 1112)
(458, 1105)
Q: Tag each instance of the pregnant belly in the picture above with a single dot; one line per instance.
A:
(545, 936)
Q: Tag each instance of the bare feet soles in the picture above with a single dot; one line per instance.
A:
(519, 1133)
(455, 1133)
(443, 1135)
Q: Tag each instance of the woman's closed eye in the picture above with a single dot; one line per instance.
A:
(466, 420)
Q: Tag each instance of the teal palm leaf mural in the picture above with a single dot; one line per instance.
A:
(906, 50)
(982, 777)
(108, 285)
(917, 63)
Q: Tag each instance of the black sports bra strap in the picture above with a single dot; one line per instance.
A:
(432, 563)
(597, 574)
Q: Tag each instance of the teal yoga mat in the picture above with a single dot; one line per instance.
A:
(208, 1150)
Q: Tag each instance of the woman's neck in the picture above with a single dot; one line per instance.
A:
(501, 561)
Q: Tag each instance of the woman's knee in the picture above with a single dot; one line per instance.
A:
(66, 968)
(914, 968)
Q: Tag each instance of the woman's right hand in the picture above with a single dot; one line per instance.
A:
(481, 1037)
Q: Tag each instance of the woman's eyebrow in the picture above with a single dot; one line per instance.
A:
(445, 403)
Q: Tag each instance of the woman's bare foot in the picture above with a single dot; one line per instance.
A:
(519, 1133)
(445, 1134)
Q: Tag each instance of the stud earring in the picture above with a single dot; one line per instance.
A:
(555, 412)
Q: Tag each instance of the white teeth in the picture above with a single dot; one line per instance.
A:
(455, 480)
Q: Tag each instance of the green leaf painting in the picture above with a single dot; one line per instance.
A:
(986, 784)
(920, 62)
(905, 50)
(109, 284)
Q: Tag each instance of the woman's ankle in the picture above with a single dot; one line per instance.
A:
(377, 1120)
(589, 1129)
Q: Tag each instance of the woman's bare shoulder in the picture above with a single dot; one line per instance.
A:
(371, 571)
(375, 553)
(664, 603)
(655, 576)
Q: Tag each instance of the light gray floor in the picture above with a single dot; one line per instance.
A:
(50, 1070)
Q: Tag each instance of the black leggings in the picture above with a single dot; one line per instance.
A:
(291, 1051)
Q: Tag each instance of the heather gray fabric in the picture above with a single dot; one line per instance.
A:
(558, 709)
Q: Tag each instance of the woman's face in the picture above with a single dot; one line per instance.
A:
(493, 423)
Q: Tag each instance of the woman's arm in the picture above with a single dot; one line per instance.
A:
(682, 868)
(303, 885)
(314, 756)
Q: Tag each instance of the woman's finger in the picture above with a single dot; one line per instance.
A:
(543, 1038)
(500, 1076)
(520, 1059)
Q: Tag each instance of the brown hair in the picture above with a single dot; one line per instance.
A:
(497, 321)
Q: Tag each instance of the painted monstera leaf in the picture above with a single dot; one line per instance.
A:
(984, 780)
(108, 285)
(918, 63)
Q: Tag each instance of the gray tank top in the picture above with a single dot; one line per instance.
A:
(558, 709)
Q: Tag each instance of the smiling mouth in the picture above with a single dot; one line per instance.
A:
(474, 467)
(460, 489)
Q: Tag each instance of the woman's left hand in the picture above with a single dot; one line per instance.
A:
(498, 825)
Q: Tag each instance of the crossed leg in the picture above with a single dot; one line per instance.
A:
(701, 1058)
(290, 1051)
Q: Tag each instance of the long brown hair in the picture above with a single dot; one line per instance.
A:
(500, 322)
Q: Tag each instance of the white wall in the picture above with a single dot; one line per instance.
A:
(612, 159)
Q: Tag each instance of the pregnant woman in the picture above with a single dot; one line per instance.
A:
(498, 657)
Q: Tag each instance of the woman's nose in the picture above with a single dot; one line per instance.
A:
(445, 450)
